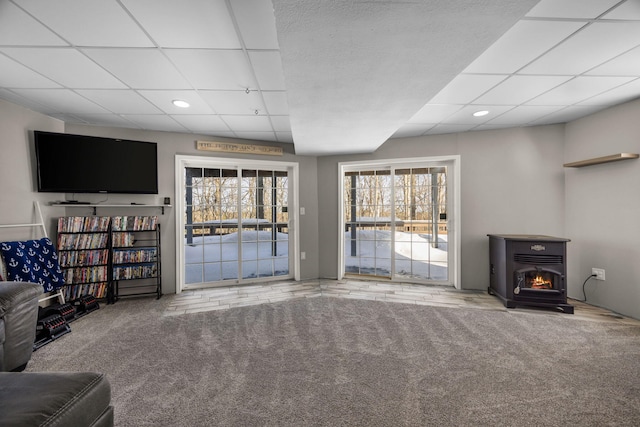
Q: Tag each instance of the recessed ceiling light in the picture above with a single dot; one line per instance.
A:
(180, 103)
(480, 113)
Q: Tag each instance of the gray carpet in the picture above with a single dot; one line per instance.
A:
(338, 362)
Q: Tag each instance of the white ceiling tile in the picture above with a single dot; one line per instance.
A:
(621, 94)
(627, 64)
(578, 90)
(465, 115)
(285, 137)
(268, 69)
(491, 126)
(62, 101)
(434, 113)
(523, 43)
(276, 102)
(281, 123)
(156, 122)
(202, 123)
(571, 8)
(595, 44)
(25, 102)
(17, 28)
(567, 114)
(465, 88)
(257, 23)
(140, 68)
(219, 134)
(88, 22)
(411, 129)
(66, 66)
(214, 69)
(519, 89)
(163, 100)
(522, 115)
(257, 136)
(15, 75)
(112, 120)
(121, 101)
(447, 128)
(248, 123)
(186, 23)
(69, 118)
(233, 102)
(627, 10)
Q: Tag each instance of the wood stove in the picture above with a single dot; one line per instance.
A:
(529, 270)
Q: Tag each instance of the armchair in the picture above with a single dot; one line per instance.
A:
(18, 319)
(42, 398)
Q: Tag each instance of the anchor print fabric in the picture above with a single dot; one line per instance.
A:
(33, 261)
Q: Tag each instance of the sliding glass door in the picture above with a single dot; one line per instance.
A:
(235, 224)
(397, 221)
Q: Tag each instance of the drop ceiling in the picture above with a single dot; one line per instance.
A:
(330, 77)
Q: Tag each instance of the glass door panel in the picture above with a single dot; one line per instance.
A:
(368, 222)
(420, 200)
(210, 223)
(236, 224)
(265, 245)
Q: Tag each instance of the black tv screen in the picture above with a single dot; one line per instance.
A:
(86, 164)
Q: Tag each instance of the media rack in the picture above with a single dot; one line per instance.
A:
(99, 252)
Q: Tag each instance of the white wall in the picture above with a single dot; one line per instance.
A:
(603, 208)
(511, 182)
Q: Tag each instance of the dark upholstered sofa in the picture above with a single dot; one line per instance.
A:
(42, 398)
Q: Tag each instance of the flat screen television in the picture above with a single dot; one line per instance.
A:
(69, 163)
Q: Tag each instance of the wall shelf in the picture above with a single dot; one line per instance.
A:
(95, 206)
(600, 160)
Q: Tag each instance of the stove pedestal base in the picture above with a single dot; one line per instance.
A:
(509, 303)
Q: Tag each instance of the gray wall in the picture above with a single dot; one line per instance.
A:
(19, 191)
(17, 172)
(511, 182)
(603, 208)
(170, 144)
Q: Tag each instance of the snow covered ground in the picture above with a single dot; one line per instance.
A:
(214, 258)
(415, 256)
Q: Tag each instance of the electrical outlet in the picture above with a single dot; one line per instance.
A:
(599, 272)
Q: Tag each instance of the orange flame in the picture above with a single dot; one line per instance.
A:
(540, 282)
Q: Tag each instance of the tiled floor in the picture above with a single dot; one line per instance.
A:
(224, 298)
